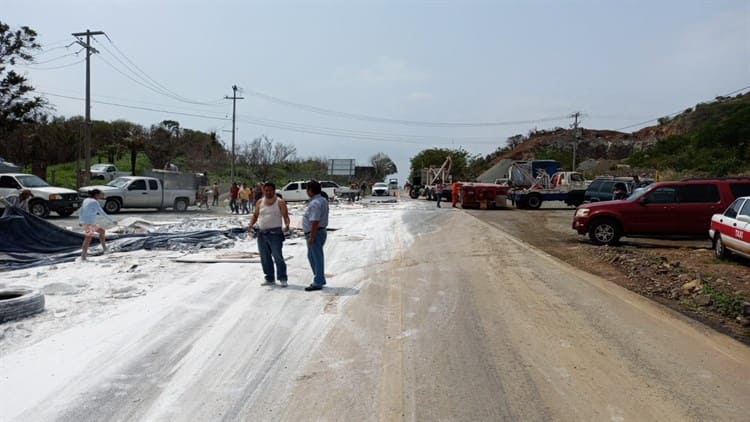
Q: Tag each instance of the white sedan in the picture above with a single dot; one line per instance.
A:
(730, 231)
(380, 189)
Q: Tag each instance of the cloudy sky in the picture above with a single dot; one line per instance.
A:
(350, 78)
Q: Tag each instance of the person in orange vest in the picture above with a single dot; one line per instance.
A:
(454, 193)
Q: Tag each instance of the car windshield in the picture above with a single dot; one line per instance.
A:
(31, 181)
(381, 185)
(119, 182)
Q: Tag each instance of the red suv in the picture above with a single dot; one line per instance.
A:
(681, 208)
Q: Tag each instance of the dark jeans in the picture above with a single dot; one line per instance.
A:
(269, 247)
(315, 256)
(215, 201)
(233, 207)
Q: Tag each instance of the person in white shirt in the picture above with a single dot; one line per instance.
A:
(269, 213)
(87, 219)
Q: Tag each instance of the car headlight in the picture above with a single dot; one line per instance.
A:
(582, 212)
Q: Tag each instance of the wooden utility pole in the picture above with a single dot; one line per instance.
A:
(234, 99)
(575, 116)
(87, 127)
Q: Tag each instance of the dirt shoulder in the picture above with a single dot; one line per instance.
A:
(681, 274)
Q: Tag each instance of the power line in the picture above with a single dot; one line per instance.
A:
(676, 112)
(341, 133)
(365, 117)
(57, 58)
(143, 76)
(55, 67)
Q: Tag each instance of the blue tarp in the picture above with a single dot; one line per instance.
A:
(29, 241)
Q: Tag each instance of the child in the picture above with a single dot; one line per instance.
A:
(87, 219)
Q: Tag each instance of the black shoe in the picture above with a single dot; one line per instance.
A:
(313, 287)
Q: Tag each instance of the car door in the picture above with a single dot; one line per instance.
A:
(734, 226)
(697, 202)
(9, 186)
(291, 192)
(138, 196)
(653, 212)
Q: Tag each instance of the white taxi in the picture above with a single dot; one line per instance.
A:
(730, 231)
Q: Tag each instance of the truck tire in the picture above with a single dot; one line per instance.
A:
(112, 206)
(180, 204)
(39, 208)
(19, 302)
(605, 231)
(534, 201)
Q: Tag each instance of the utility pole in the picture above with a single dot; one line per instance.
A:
(234, 99)
(87, 128)
(575, 115)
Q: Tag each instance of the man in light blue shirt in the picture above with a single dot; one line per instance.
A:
(314, 224)
(87, 219)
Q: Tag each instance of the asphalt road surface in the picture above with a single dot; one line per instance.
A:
(466, 323)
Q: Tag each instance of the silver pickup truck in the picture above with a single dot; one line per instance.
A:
(141, 192)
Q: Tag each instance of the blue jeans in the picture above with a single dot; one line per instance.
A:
(439, 198)
(269, 246)
(316, 258)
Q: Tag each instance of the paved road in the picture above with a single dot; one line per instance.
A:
(465, 323)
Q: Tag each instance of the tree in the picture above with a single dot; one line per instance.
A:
(263, 155)
(163, 145)
(435, 157)
(17, 46)
(383, 165)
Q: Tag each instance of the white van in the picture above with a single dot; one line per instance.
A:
(297, 191)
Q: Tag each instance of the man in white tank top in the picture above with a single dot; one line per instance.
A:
(270, 211)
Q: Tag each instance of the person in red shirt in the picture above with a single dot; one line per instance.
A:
(234, 192)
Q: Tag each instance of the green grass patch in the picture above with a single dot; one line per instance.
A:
(728, 304)
(64, 174)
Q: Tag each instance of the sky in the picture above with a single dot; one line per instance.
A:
(349, 79)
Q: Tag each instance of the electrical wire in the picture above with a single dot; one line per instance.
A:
(365, 117)
(676, 112)
(143, 76)
(55, 67)
(294, 127)
(56, 58)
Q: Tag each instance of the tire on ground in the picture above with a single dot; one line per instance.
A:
(39, 208)
(534, 201)
(180, 204)
(112, 206)
(720, 250)
(605, 231)
(19, 302)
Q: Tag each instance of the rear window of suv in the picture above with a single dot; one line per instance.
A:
(740, 189)
(693, 193)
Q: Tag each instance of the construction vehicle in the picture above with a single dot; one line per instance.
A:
(429, 178)
(534, 182)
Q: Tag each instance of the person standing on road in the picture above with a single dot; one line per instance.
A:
(270, 211)
(215, 192)
(233, 194)
(242, 194)
(314, 224)
(87, 219)
(620, 191)
(454, 193)
(439, 192)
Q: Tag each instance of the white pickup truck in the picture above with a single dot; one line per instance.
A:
(106, 172)
(45, 198)
(141, 192)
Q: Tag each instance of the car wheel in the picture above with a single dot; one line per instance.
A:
(180, 205)
(534, 201)
(112, 206)
(39, 209)
(720, 250)
(605, 231)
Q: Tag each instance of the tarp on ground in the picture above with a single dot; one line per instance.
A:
(29, 241)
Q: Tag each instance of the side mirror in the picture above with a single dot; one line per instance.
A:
(643, 200)
(744, 218)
